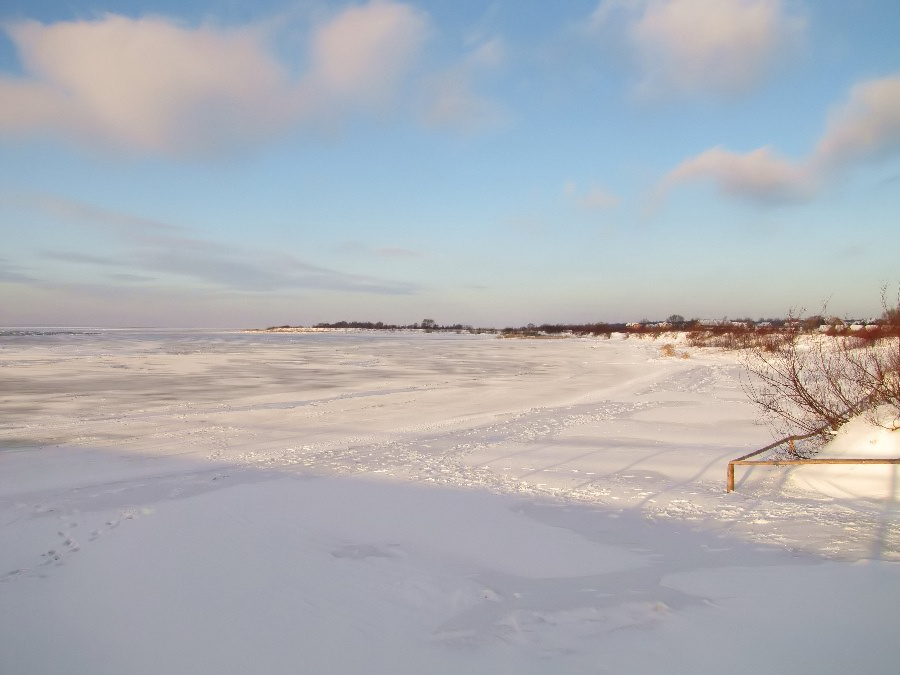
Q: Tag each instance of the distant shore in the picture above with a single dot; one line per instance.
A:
(303, 329)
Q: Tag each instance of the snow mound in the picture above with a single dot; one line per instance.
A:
(859, 438)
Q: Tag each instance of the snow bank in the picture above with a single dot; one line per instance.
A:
(859, 438)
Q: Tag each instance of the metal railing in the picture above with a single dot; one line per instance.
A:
(746, 461)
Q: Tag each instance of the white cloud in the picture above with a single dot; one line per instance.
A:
(361, 54)
(144, 84)
(865, 128)
(152, 85)
(759, 175)
(451, 99)
(688, 46)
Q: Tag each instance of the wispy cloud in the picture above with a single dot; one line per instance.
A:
(71, 210)
(865, 128)
(395, 252)
(164, 251)
(398, 252)
(256, 271)
(722, 48)
(594, 199)
(10, 273)
(451, 97)
(81, 258)
(129, 278)
(154, 85)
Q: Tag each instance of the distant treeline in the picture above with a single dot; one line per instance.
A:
(568, 329)
(697, 328)
(365, 325)
(427, 325)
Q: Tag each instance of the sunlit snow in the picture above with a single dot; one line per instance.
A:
(420, 503)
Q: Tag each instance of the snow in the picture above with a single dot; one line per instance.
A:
(411, 503)
(859, 438)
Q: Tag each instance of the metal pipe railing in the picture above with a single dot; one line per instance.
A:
(745, 460)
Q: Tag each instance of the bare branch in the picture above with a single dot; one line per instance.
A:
(810, 382)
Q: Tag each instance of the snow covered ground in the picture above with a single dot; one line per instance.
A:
(411, 503)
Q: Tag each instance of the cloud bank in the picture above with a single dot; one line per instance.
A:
(153, 85)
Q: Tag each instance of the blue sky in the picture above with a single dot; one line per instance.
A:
(234, 163)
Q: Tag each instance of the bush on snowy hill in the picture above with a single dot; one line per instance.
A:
(814, 384)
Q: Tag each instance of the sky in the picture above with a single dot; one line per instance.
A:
(228, 163)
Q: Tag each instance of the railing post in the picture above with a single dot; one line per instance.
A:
(730, 484)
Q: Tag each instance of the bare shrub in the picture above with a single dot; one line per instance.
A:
(813, 383)
(735, 338)
(668, 351)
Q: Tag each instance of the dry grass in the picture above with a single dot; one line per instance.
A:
(668, 351)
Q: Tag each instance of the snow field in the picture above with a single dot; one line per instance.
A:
(415, 503)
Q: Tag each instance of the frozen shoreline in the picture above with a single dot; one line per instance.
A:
(413, 503)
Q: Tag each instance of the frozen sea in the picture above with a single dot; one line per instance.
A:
(360, 502)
